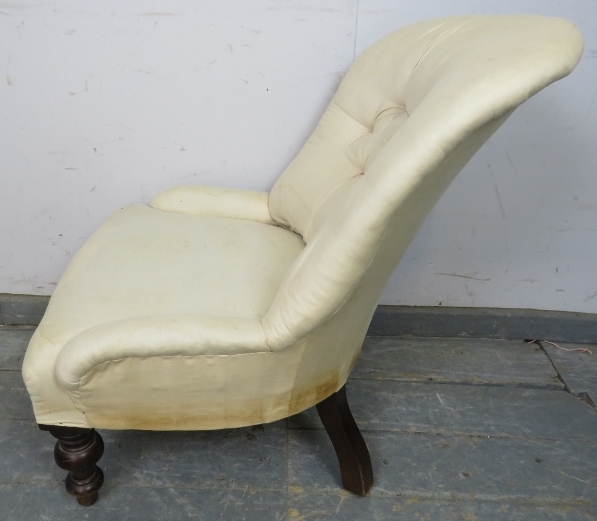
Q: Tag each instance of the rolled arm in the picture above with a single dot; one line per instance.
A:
(183, 335)
(213, 201)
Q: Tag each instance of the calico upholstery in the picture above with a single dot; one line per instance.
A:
(216, 308)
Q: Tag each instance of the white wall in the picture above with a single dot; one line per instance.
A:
(107, 103)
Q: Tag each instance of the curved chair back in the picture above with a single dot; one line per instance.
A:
(409, 114)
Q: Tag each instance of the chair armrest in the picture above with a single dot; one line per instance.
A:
(182, 335)
(213, 201)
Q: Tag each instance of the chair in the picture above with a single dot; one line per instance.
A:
(216, 308)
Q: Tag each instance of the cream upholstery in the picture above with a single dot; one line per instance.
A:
(211, 201)
(220, 308)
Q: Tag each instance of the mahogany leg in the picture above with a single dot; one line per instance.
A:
(78, 451)
(350, 447)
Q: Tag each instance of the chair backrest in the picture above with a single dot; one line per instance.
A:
(409, 114)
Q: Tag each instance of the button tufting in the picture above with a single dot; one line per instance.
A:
(363, 150)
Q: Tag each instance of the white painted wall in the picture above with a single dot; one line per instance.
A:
(106, 103)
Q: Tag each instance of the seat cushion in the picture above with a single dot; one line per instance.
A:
(146, 262)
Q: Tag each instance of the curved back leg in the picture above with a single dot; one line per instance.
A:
(350, 447)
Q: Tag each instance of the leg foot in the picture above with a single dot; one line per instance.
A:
(350, 447)
(78, 451)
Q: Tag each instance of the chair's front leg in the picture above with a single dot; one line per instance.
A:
(350, 447)
(78, 451)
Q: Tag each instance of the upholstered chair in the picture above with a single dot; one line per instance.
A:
(215, 308)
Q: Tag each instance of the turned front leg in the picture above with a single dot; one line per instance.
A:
(78, 451)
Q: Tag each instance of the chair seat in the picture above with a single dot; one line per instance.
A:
(161, 267)
(146, 262)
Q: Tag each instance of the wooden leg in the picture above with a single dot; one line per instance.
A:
(350, 447)
(78, 451)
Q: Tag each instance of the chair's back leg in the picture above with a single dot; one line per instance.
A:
(78, 451)
(350, 447)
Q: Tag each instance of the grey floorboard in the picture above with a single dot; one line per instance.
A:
(472, 361)
(447, 467)
(13, 344)
(237, 458)
(577, 369)
(344, 507)
(27, 454)
(492, 436)
(37, 502)
(14, 399)
(464, 409)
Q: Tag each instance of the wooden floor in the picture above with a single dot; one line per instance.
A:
(457, 430)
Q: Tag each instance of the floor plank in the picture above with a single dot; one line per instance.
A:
(344, 507)
(464, 409)
(14, 399)
(471, 361)
(493, 435)
(13, 344)
(253, 457)
(577, 369)
(38, 502)
(446, 467)
(27, 454)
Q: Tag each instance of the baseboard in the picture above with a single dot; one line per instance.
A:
(405, 321)
(440, 321)
(22, 310)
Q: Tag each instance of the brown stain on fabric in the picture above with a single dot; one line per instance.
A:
(311, 396)
(242, 413)
(245, 413)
